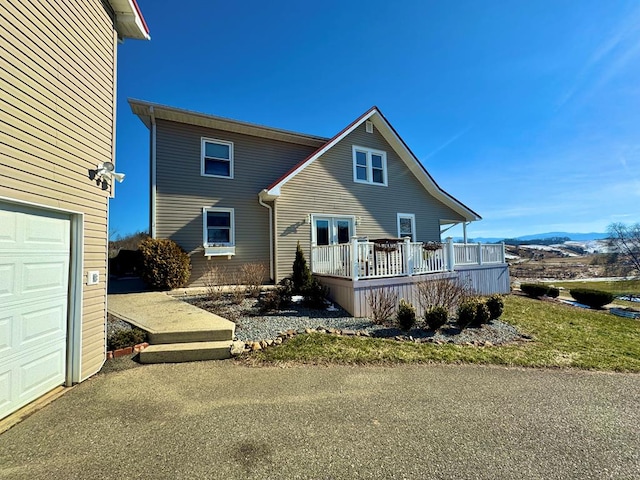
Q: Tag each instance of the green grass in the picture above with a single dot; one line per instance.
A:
(564, 336)
(617, 287)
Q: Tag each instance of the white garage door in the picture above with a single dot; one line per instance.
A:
(34, 284)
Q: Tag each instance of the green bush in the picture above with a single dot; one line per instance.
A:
(126, 338)
(482, 314)
(436, 317)
(466, 313)
(315, 295)
(165, 265)
(495, 304)
(592, 298)
(301, 277)
(277, 299)
(534, 290)
(406, 315)
(553, 292)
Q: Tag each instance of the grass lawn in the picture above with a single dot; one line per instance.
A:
(564, 336)
(617, 287)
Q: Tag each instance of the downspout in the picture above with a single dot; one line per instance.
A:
(152, 155)
(268, 207)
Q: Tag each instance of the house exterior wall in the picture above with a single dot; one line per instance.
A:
(182, 192)
(326, 186)
(57, 123)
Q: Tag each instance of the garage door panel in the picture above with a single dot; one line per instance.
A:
(7, 279)
(42, 373)
(6, 391)
(8, 227)
(45, 276)
(6, 335)
(45, 231)
(46, 322)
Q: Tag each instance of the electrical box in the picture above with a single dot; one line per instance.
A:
(93, 277)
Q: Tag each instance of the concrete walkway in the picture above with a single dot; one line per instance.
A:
(210, 420)
(177, 330)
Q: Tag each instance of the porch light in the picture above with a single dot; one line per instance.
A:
(307, 219)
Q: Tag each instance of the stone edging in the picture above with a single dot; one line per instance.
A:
(240, 347)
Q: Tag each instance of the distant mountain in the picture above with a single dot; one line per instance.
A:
(579, 237)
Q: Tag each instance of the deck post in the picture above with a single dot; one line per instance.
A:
(451, 258)
(408, 258)
(355, 265)
(479, 253)
(504, 259)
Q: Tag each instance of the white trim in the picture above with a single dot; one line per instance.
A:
(76, 282)
(318, 153)
(154, 174)
(370, 151)
(224, 248)
(203, 141)
(331, 218)
(368, 126)
(410, 216)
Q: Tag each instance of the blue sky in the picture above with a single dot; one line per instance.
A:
(527, 112)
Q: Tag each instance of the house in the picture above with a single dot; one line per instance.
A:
(232, 193)
(57, 127)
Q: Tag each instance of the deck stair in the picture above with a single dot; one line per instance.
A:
(178, 331)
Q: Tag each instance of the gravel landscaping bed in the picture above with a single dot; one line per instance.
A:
(251, 325)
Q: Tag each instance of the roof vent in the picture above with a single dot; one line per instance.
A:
(369, 126)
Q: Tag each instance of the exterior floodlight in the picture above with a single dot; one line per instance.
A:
(107, 170)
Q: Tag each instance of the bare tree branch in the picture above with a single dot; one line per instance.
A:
(625, 241)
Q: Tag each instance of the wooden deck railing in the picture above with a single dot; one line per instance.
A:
(360, 260)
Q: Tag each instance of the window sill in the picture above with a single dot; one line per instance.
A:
(364, 182)
(220, 251)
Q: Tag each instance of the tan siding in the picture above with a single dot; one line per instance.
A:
(56, 108)
(326, 187)
(182, 192)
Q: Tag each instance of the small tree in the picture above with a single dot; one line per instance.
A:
(301, 274)
(625, 241)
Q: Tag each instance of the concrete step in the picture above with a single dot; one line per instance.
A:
(186, 352)
(215, 334)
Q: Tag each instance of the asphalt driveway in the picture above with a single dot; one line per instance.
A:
(223, 420)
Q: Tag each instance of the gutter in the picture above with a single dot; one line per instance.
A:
(271, 239)
(153, 189)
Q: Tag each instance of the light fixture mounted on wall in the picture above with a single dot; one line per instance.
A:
(106, 170)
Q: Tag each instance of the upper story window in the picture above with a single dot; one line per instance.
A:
(407, 226)
(217, 158)
(369, 166)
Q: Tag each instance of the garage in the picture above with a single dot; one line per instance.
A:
(35, 257)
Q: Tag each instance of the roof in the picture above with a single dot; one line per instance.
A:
(129, 20)
(400, 147)
(146, 110)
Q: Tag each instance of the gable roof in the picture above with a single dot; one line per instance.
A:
(399, 146)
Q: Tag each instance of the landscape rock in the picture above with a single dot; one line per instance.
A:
(237, 348)
(255, 346)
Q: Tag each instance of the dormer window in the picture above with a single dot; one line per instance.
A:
(369, 166)
(217, 158)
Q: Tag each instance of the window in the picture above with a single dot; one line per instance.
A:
(217, 158)
(330, 230)
(369, 166)
(219, 231)
(407, 226)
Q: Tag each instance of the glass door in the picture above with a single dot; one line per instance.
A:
(332, 230)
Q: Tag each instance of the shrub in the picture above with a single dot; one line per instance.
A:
(534, 290)
(253, 276)
(442, 292)
(436, 317)
(495, 304)
(126, 338)
(482, 314)
(466, 313)
(315, 294)
(301, 277)
(278, 298)
(382, 302)
(406, 315)
(214, 280)
(165, 265)
(553, 292)
(592, 298)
